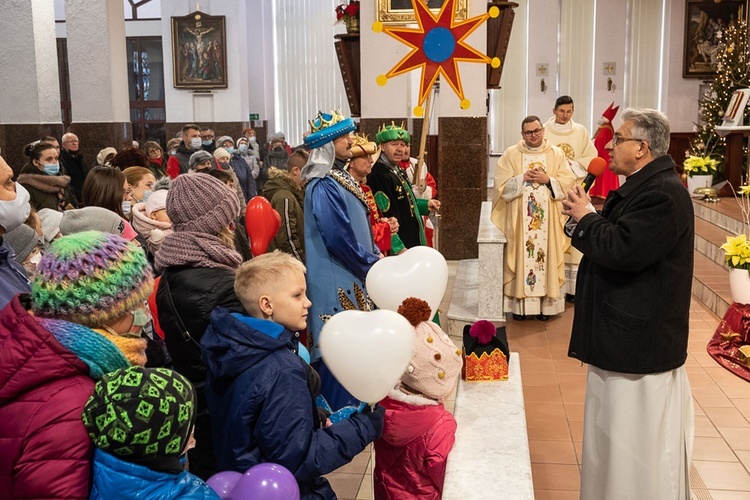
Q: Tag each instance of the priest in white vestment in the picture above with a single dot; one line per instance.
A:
(531, 179)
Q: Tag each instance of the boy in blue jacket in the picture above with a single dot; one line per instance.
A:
(141, 421)
(259, 390)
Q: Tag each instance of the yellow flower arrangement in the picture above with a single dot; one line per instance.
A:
(700, 165)
(737, 248)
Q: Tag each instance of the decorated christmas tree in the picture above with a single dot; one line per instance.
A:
(733, 73)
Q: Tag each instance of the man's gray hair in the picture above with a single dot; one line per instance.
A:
(652, 126)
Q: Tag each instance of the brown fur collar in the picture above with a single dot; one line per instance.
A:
(44, 183)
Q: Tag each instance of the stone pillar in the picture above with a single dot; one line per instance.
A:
(100, 103)
(29, 83)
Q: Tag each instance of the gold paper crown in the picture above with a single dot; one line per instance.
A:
(362, 146)
(325, 120)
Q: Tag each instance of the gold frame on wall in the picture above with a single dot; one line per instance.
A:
(392, 11)
(191, 30)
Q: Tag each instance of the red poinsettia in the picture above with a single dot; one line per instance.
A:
(347, 11)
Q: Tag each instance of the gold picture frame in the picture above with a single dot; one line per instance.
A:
(199, 56)
(400, 11)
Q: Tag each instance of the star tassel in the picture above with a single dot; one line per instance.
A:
(437, 46)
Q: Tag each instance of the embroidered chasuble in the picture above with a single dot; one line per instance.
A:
(530, 216)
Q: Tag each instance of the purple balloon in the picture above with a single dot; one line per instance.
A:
(224, 482)
(266, 481)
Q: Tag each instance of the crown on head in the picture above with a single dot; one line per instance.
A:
(325, 120)
(392, 132)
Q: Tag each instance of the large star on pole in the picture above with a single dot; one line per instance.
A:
(437, 47)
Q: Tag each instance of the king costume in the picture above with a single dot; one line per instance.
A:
(393, 192)
(339, 244)
(530, 215)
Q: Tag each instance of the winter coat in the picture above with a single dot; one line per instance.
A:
(13, 277)
(287, 199)
(246, 169)
(153, 231)
(418, 435)
(158, 167)
(74, 165)
(257, 388)
(195, 292)
(45, 450)
(46, 191)
(634, 282)
(179, 163)
(116, 479)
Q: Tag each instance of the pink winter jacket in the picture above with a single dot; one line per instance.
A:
(411, 455)
(45, 451)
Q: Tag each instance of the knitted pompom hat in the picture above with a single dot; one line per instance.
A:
(435, 361)
(90, 278)
(201, 204)
(141, 412)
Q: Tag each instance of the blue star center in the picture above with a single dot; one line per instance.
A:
(439, 44)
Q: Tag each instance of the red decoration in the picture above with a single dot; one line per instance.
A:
(262, 223)
(345, 11)
(483, 331)
(437, 46)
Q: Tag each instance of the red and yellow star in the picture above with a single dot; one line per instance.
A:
(437, 47)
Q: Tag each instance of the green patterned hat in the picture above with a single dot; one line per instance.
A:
(392, 132)
(141, 412)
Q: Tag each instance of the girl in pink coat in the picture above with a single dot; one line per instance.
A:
(419, 432)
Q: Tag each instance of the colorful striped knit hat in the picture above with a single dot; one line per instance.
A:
(90, 278)
(141, 412)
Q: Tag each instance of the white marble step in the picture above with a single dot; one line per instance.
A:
(491, 456)
(464, 304)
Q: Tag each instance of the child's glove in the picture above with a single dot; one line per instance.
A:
(376, 416)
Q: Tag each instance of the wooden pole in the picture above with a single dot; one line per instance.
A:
(418, 180)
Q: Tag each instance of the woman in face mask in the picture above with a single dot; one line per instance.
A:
(234, 169)
(47, 187)
(141, 182)
(157, 164)
(108, 188)
(89, 318)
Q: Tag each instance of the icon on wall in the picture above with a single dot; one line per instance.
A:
(199, 58)
(705, 23)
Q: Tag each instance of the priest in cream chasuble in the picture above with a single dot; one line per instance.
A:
(531, 180)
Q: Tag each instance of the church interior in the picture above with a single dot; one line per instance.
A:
(138, 70)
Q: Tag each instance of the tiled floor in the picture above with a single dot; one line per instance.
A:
(553, 392)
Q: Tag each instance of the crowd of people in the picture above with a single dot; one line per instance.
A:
(143, 348)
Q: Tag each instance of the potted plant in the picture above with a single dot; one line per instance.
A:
(349, 14)
(700, 171)
(737, 253)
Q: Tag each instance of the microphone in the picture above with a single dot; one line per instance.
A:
(596, 168)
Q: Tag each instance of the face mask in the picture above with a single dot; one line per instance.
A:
(224, 164)
(252, 139)
(14, 212)
(243, 147)
(141, 318)
(207, 143)
(172, 153)
(51, 168)
(230, 150)
(31, 264)
(196, 142)
(126, 207)
(278, 148)
(146, 194)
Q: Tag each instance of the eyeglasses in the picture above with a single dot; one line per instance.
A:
(618, 139)
(529, 133)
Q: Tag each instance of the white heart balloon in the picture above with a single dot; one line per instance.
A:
(367, 351)
(420, 272)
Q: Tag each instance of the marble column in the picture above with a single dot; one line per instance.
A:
(29, 83)
(462, 162)
(97, 61)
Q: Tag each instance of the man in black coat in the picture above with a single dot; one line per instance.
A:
(392, 190)
(631, 320)
(73, 163)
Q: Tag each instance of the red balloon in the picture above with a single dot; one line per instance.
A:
(261, 223)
